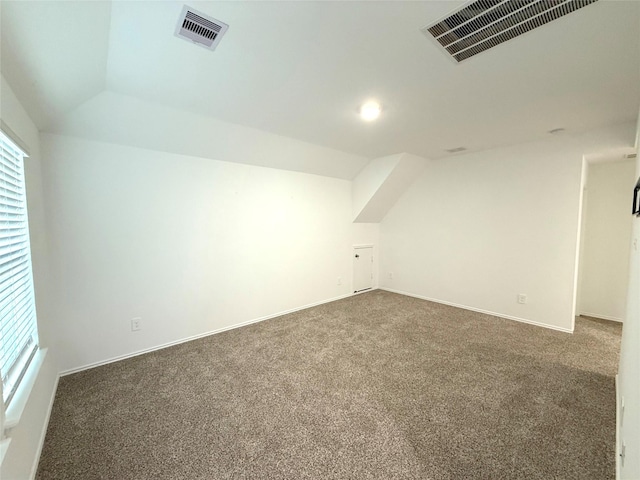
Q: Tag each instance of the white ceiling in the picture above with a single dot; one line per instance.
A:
(54, 54)
(300, 69)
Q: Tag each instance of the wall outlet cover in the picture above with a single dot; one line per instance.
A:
(136, 324)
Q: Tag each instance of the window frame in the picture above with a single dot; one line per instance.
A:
(24, 313)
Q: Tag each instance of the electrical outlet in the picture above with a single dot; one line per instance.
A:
(522, 298)
(623, 451)
(136, 324)
(390, 276)
(339, 280)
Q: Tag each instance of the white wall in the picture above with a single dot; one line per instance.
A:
(25, 438)
(606, 240)
(629, 373)
(189, 244)
(477, 230)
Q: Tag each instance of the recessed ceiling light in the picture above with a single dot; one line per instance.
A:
(555, 131)
(370, 110)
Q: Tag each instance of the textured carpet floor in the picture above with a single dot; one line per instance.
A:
(379, 386)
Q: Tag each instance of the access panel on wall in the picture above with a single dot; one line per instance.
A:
(362, 268)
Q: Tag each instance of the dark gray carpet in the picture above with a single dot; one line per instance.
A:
(377, 386)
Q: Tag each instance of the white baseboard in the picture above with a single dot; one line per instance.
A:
(200, 335)
(43, 433)
(601, 316)
(473, 309)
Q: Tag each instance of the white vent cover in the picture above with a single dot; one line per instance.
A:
(484, 24)
(199, 28)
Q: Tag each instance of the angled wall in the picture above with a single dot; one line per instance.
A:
(124, 120)
(381, 183)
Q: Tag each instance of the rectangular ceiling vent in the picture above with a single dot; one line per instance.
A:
(199, 28)
(484, 24)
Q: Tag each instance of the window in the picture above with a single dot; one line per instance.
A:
(18, 332)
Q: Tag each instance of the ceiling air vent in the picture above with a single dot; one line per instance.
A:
(484, 24)
(456, 150)
(199, 28)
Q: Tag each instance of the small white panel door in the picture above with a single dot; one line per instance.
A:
(362, 268)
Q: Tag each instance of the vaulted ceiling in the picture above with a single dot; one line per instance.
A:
(301, 69)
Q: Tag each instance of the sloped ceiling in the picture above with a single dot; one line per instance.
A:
(121, 119)
(54, 54)
(381, 183)
(300, 70)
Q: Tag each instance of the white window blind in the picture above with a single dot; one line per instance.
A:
(18, 332)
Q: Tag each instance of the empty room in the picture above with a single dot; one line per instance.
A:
(319, 239)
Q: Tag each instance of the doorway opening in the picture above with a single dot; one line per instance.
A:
(605, 238)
